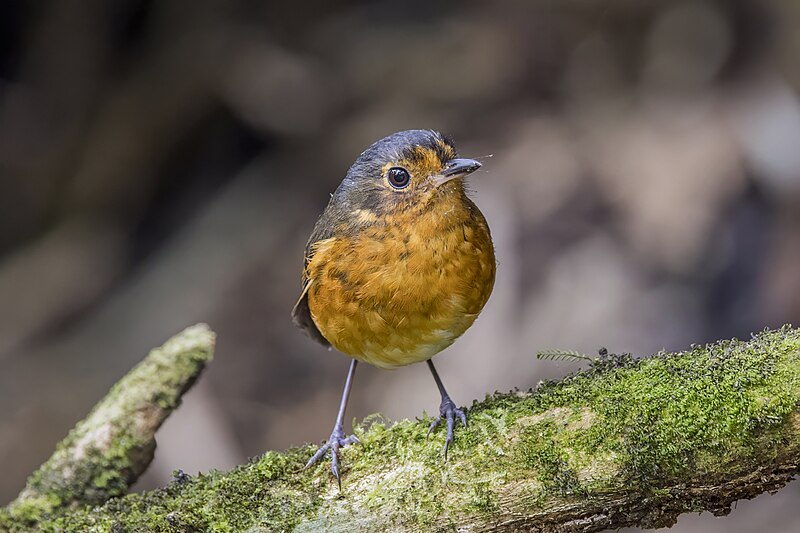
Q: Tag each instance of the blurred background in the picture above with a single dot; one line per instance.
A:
(163, 163)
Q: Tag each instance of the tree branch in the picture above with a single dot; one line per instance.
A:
(622, 443)
(114, 445)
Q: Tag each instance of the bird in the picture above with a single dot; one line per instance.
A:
(397, 267)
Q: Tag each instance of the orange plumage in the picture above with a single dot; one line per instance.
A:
(400, 293)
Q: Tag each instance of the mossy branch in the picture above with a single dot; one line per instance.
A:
(623, 443)
(108, 451)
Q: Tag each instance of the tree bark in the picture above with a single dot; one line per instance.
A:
(623, 443)
(108, 451)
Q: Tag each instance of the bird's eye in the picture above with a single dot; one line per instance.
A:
(398, 177)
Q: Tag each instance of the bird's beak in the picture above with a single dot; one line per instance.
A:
(456, 168)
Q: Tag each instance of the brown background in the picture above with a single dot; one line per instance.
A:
(163, 162)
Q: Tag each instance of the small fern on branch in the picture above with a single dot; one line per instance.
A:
(562, 355)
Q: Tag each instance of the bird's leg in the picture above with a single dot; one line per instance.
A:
(338, 439)
(447, 411)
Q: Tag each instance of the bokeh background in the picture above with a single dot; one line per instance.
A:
(163, 162)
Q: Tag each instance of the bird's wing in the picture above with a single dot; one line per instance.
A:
(301, 314)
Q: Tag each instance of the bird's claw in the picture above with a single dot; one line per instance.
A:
(448, 412)
(336, 441)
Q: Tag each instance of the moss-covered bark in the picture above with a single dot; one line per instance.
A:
(622, 443)
(106, 452)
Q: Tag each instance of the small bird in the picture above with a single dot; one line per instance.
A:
(398, 266)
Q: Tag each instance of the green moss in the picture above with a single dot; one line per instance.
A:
(620, 426)
(539, 451)
(102, 455)
(240, 500)
(32, 511)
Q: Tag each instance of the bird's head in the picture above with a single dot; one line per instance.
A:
(405, 171)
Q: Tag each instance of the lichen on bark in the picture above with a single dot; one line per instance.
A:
(107, 451)
(624, 442)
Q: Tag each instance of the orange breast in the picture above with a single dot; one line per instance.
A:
(401, 291)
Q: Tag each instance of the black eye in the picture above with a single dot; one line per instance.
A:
(398, 177)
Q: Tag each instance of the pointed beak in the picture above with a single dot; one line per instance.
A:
(456, 168)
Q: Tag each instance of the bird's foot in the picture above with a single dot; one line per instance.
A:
(336, 441)
(448, 413)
